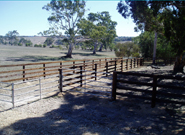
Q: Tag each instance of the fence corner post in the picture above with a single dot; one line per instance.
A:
(114, 83)
(61, 80)
(154, 91)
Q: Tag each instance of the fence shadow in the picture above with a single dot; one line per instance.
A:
(82, 114)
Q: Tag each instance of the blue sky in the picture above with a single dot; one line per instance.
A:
(28, 17)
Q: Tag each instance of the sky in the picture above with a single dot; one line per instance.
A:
(28, 17)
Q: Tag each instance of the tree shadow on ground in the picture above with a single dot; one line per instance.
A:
(37, 58)
(83, 114)
(87, 54)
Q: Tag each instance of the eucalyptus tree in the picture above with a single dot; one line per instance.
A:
(49, 41)
(146, 16)
(104, 19)
(167, 17)
(65, 15)
(12, 36)
(93, 32)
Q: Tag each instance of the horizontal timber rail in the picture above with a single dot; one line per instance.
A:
(168, 92)
(13, 73)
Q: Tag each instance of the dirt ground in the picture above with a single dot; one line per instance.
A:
(71, 113)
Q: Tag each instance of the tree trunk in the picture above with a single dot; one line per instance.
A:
(69, 54)
(154, 50)
(95, 46)
(100, 50)
(179, 64)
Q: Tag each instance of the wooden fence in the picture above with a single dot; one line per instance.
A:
(13, 73)
(170, 92)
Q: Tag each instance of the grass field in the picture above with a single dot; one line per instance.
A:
(19, 55)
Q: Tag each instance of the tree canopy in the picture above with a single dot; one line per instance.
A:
(65, 15)
(99, 28)
(164, 17)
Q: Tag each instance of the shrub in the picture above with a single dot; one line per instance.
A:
(127, 49)
(44, 45)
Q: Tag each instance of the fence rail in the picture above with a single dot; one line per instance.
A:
(75, 74)
(13, 73)
(155, 82)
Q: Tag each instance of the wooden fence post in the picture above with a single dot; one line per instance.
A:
(84, 65)
(134, 62)
(44, 68)
(73, 67)
(92, 64)
(81, 76)
(114, 85)
(60, 64)
(23, 72)
(99, 62)
(115, 65)
(106, 69)
(95, 72)
(126, 64)
(61, 80)
(140, 62)
(122, 65)
(131, 63)
(154, 91)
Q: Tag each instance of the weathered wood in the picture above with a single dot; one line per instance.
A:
(23, 72)
(61, 80)
(114, 85)
(138, 83)
(95, 71)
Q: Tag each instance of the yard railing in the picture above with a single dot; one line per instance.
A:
(85, 80)
(13, 73)
(171, 91)
(67, 75)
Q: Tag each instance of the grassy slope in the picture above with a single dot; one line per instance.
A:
(18, 55)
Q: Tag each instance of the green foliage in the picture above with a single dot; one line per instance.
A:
(49, 41)
(29, 44)
(12, 37)
(19, 44)
(146, 40)
(127, 49)
(112, 46)
(99, 28)
(59, 42)
(37, 45)
(65, 15)
(44, 45)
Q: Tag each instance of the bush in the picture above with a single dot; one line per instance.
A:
(37, 45)
(19, 44)
(28, 44)
(127, 49)
(44, 45)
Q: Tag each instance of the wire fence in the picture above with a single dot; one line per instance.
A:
(19, 93)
